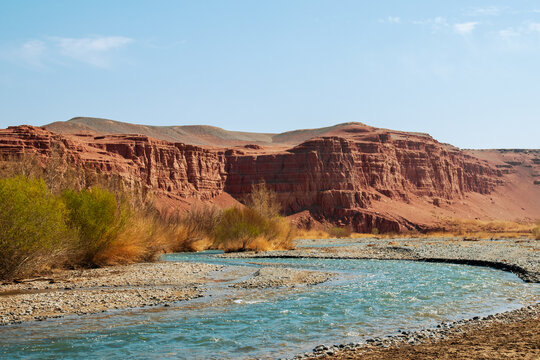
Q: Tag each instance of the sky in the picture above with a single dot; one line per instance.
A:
(466, 72)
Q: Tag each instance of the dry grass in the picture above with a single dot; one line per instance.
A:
(536, 231)
(478, 229)
(142, 239)
(340, 232)
(242, 229)
(465, 229)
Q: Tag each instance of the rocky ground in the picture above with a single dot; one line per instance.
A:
(90, 291)
(268, 277)
(141, 285)
(509, 335)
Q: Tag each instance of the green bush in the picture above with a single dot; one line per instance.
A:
(97, 217)
(33, 231)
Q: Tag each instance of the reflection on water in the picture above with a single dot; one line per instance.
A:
(368, 298)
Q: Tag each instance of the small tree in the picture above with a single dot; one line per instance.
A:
(264, 201)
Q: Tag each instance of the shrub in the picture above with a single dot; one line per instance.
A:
(143, 236)
(98, 219)
(33, 231)
(340, 231)
(242, 229)
(238, 227)
(536, 232)
(196, 229)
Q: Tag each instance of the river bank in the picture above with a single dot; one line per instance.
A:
(520, 256)
(81, 292)
(508, 335)
(89, 291)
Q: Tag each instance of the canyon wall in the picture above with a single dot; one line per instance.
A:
(336, 178)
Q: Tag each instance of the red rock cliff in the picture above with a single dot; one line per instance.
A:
(335, 177)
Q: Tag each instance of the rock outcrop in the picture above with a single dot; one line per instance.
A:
(337, 177)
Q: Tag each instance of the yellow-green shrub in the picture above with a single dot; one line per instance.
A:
(97, 218)
(340, 232)
(196, 228)
(33, 231)
(246, 229)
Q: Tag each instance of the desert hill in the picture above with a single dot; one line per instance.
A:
(192, 134)
(349, 174)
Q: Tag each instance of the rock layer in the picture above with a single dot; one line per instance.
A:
(336, 177)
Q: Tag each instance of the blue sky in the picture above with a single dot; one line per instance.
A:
(467, 72)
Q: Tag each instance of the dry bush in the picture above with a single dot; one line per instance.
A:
(258, 226)
(97, 217)
(264, 201)
(340, 231)
(198, 228)
(144, 236)
(242, 229)
(536, 231)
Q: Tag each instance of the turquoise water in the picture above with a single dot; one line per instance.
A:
(367, 298)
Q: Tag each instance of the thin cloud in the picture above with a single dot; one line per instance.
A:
(92, 51)
(436, 24)
(509, 33)
(436, 21)
(32, 52)
(465, 28)
(527, 28)
(534, 27)
(486, 11)
(95, 51)
(391, 20)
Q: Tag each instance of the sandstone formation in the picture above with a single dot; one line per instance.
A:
(349, 174)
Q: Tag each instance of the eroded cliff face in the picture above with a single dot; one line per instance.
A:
(336, 178)
(180, 170)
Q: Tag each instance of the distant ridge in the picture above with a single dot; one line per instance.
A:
(191, 134)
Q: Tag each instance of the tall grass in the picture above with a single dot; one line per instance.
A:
(196, 228)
